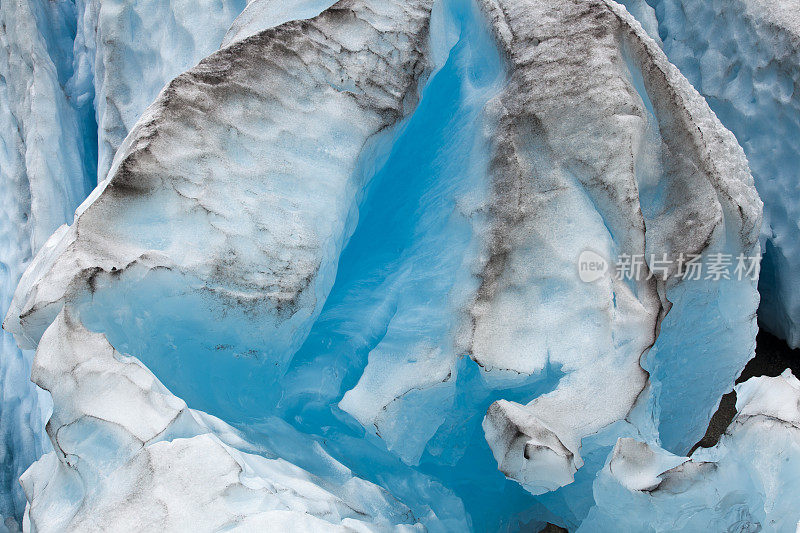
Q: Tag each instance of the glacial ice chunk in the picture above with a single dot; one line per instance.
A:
(743, 56)
(634, 165)
(243, 212)
(747, 482)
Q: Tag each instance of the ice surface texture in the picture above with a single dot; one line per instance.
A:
(48, 59)
(128, 455)
(353, 234)
(744, 483)
(744, 57)
(126, 51)
(602, 144)
(42, 180)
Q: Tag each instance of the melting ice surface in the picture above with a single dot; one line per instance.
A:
(413, 236)
(364, 361)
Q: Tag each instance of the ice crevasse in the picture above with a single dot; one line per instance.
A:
(331, 281)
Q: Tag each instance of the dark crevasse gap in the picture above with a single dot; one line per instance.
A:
(773, 356)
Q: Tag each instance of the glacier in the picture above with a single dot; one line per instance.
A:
(124, 53)
(130, 467)
(49, 161)
(43, 180)
(744, 483)
(744, 58)
(324, 270)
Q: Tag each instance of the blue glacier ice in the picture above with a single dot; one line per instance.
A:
(260, 15)
(49, 156)
(746, 482)
(125, 51)
(329, 276)
(744, 58)
(131, 468)
(42, 179)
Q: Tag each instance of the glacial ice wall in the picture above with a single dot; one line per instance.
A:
(744, 58)
(353, 233)
(49, 160)
(125, 51)
(42, 180)
(254, 250)
(280, 270)
(671, 182)
(43, 137)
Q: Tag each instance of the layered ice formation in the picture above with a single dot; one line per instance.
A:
(334, 278)
(744, 57)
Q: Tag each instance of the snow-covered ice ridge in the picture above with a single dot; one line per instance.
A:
(744, 58)
(330, 281)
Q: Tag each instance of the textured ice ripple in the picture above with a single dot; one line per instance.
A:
(743, 56)
(293, 239)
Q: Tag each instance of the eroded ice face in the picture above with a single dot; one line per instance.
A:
(742, 56)
(354, 233)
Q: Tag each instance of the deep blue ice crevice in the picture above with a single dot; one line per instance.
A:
(415, 248)
(49, 145)
(387, 339)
